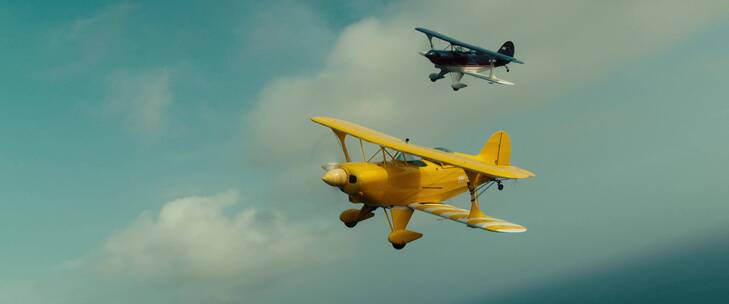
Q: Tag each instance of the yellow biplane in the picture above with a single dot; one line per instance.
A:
(409, 177)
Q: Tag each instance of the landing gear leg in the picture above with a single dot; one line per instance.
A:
(435, 76)
(351, 217)
(457, 84)
(399, 236)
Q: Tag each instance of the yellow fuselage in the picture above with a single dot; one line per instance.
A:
(399, 183)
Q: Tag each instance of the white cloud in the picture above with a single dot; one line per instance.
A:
(204, 238)
(142, 99)
(374, 76)
(92, 39)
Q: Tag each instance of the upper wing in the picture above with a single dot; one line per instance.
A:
(493, 79)
(461, 215)
(452, 41)
(388, 141)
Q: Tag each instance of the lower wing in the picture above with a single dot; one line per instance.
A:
(461, 215)
(489, 78)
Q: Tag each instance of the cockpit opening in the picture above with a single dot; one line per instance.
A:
(410, 159)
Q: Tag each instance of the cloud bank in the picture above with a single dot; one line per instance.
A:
(373, 75)
(210, 237)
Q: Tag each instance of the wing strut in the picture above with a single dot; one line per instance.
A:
(361, 146)
(475, 216)
(341, 136)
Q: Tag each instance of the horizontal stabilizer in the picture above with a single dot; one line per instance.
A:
(461, 215)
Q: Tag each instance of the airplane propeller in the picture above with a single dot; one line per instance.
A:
(329, 166)
(328, 147)
(324, 145)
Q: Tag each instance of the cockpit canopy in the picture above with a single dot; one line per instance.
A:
(410, 159)
(416, 160)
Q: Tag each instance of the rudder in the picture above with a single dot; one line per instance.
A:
(497, 149)
(507, 49)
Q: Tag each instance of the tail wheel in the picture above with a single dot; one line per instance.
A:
(398, 246)
(350, 224)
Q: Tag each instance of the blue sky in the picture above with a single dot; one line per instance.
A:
(158, 153)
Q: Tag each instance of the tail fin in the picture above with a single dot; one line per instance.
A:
(507, 49)
(497, 149)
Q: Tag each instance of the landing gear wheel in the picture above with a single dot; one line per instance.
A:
(398, 246)
(432, 79)
(350, 224)
(500, 186)
(455, 89)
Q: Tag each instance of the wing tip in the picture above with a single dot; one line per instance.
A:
(511, 230)
(522, 173)
(507, 227)
(511, 172)
(322, 120)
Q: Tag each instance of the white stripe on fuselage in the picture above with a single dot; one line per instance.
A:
(465, 68)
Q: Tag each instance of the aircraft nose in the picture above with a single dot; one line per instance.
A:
(335, 177)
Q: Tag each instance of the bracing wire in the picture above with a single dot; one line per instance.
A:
(484, 187)
(388, 218)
